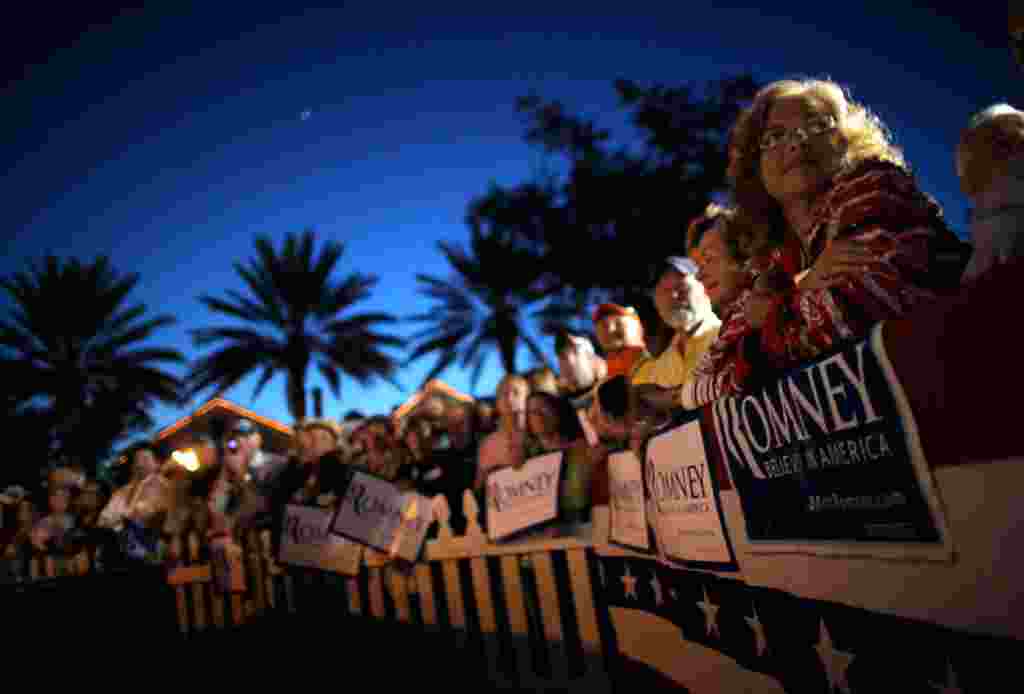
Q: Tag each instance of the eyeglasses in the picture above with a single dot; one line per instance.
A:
(815, 127)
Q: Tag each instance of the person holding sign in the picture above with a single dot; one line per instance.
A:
(507, 445)
(553, 423)
(312, 477)
(381, 453)
(309, 488)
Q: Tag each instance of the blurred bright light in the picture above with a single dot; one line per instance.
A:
(187, 459)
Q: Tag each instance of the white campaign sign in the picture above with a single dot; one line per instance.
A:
(521, 497)
(683, 507)
(626, 489)
(376, 513)
(306, 541)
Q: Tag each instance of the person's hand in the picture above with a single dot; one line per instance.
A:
(840, 257)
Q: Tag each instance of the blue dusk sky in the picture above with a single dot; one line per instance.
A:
(168, 139)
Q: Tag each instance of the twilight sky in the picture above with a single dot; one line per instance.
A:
(167, 140)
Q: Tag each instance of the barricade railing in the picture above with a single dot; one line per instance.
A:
(528, 608)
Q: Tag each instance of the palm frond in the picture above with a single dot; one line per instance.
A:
(444, 342)
(330, 374)
(223, 369)
(269, 371)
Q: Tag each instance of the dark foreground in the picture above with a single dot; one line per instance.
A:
(118, 632)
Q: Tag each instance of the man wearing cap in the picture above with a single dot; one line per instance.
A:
(244, 448)
(655, 384)
(240, 497)
(685, 307)
(621, 335)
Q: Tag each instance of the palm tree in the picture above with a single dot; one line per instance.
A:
(483, 305)
(292, 312)
(72, 356)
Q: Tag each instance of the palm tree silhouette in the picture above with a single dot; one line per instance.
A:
(293, 311)
(73, 358)
(484, 305)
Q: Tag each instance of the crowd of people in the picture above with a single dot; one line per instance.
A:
(826, 233)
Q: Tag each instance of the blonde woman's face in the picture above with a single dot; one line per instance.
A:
(799, 165)
(513, 397)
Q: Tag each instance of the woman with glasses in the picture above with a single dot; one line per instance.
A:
(871, 245)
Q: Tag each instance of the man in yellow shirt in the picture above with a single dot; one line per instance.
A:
(684, 305)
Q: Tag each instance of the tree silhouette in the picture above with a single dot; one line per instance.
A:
(485, 305)
(602, 227)
(292, 316)
(77, 375)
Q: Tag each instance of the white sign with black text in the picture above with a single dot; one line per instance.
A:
(626, 491)
(522, 497)
(306, 541)
(376, 513)
(682, 504)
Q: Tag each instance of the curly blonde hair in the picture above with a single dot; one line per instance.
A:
(860, 136)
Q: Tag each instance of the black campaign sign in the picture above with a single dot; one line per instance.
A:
(823, 454)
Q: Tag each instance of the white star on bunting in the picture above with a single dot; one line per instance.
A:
(710, 615)
(760, 641)
(950, 687)
(629, 584)
(836, 662)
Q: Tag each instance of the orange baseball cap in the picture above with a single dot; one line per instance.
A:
(614, 310)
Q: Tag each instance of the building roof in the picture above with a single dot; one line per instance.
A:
(216, 412)
(431, 387)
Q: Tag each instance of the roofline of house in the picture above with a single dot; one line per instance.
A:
(231, 407)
